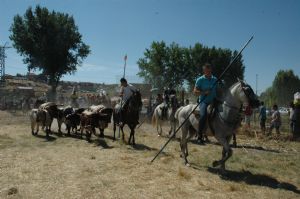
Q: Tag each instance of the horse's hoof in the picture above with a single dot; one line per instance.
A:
(158, 135)
(187, 164)
(207, 141)
(200, 142)
(215, 163)
(234, 145)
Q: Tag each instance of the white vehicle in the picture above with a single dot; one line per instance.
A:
(283, 110)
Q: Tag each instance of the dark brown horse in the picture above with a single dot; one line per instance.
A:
(129, 115)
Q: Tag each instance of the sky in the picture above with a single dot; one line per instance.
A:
(113, 28)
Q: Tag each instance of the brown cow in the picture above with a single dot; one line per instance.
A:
(89, 121)
(106, 114)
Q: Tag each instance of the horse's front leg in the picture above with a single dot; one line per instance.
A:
(130, 137)
(101, 133)
(122, 131)
(160, 126)
(226, 153)
(81, 130)
(59, 122)
(157, 127)
(132, 133)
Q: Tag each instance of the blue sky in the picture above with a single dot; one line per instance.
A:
(115, 27)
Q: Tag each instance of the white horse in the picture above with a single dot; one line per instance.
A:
(223, 124)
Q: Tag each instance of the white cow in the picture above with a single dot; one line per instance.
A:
(40, 118)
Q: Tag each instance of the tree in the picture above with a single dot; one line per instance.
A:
(176, 65)
(284, 85)
(268, 97)
(153, 64)
(50, 42)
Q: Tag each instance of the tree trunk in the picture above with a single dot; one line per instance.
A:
(52, 94)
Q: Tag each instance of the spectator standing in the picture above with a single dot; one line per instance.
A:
(262, 117)
(276, 120)
(248, 113)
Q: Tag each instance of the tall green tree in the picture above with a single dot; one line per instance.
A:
(175, 66)
(49, 42)
(178, 65)
(154, 63)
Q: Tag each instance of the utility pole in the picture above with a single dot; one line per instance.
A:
(2, 62)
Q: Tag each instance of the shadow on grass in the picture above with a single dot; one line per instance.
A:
(74, 135)
(254, 179)
(47, 139)
(109, 137)
(142, 147)
(102, 143)
(259, 148)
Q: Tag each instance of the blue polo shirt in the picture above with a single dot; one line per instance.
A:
(203, 84)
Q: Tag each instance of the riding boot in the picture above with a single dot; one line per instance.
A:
(200, 139)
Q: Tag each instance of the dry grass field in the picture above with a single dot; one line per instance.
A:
(70, 167)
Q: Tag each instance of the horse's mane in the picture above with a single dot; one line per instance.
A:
(232, 86)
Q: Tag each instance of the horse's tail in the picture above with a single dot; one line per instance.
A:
(177, 112)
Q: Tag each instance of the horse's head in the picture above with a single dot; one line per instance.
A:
(245, 94)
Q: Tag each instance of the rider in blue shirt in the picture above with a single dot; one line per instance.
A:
(205, 88)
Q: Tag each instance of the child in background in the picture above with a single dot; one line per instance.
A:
(276, 120)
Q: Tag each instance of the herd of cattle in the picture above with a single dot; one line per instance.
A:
(88, 119)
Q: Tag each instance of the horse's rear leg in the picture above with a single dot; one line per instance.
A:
(183, 147)
(33, 124)
(123, 136)
(114, 131)
(234, 141)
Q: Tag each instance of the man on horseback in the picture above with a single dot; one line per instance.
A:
(205, 88)
(168, 93)
(126, 92)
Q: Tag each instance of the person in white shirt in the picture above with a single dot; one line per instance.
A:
(126, 91)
